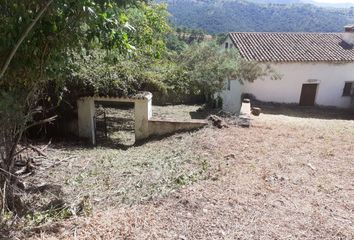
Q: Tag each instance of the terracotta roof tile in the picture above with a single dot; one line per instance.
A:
(293, 47)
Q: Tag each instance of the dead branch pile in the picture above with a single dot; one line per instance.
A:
(27, 160)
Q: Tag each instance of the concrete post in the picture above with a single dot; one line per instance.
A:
(143, 112)
(86, 113)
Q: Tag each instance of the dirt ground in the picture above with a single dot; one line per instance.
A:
(289, 176)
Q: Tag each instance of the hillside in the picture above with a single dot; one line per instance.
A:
(321, 4)
(235, 15)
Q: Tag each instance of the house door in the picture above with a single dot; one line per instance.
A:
(308, 94)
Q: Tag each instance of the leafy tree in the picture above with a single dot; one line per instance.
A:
(115, 74)
(173, 43)
(38, 41)
(208, 66)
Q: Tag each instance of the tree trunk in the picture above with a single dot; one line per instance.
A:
(10, 200)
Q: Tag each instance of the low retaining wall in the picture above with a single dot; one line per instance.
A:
(160, 127)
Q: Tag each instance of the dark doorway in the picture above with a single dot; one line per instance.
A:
(308, 94)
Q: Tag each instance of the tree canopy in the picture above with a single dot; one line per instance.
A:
(66, 26)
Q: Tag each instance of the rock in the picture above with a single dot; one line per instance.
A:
(217, 121)
(230, 156)
(256, 111)
(244, 121)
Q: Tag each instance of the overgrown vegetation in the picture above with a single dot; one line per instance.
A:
(39, 43)
(53, 52)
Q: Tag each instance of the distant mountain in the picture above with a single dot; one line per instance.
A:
(332, 5)
(327, 5)
(278, 1)
(216, 16)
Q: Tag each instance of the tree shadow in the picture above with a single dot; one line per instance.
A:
(114, 143)
(294, 110)
(204, 112)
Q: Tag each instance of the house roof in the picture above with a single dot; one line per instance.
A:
(293, 47)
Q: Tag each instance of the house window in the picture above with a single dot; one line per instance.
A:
(347, 90)
(226, 45)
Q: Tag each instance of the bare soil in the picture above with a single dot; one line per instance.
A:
(289, 176)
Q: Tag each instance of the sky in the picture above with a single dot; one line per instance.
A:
(334, 1)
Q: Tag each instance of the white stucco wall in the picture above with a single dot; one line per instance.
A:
(231, 98)
(329, 77)
(229, 41)
(86, 113)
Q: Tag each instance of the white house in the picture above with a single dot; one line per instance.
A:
(315, 68)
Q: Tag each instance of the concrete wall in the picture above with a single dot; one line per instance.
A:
(329, 77)
(159, 127)
(143, 112)
(86, 113)
(231, 97)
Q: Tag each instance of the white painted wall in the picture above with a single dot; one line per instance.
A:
(231, 98)
(329, 77)
(229, 41)
(143, 112)
(86, 112)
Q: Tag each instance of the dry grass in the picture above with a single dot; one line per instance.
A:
(287, 177)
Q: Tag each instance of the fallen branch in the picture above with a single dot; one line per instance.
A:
(37, 150)
(28, 168)
(47, 120)
(58, 162)
(20, 151)
(46, 146)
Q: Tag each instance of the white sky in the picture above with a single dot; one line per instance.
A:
(335, 1)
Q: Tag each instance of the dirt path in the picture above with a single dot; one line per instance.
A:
(287, 177)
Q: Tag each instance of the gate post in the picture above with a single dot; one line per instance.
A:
(143, 112)
(86, 113)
